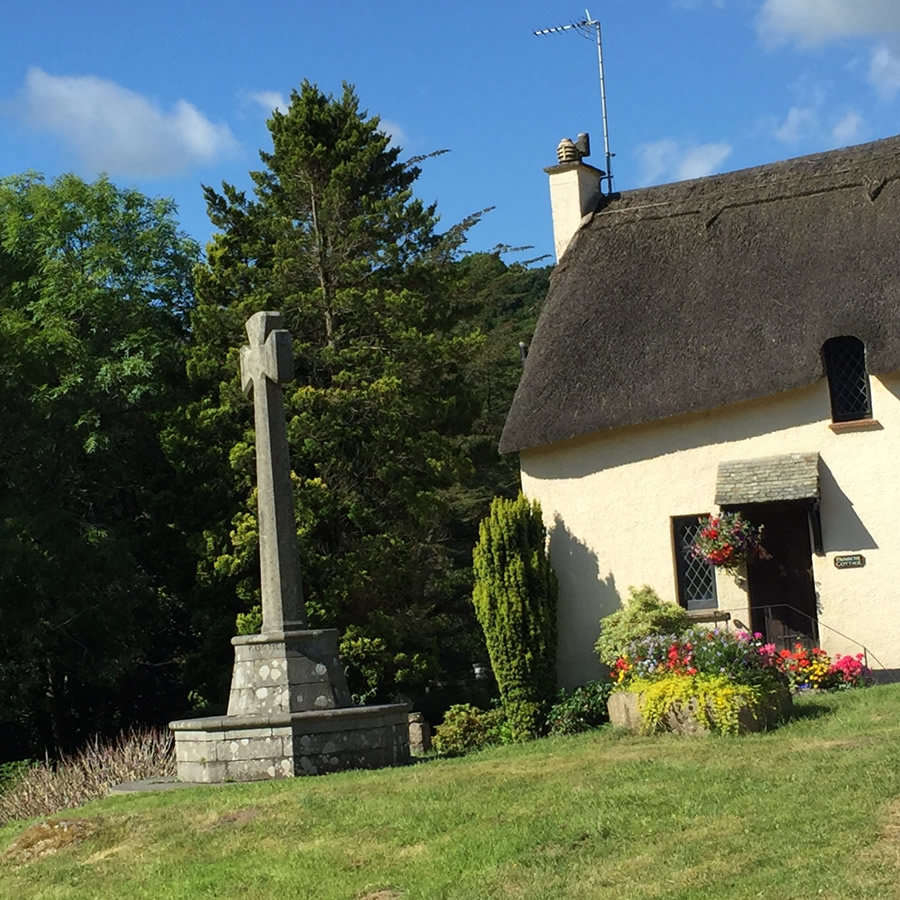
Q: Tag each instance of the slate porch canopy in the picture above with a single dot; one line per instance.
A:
(768, 479)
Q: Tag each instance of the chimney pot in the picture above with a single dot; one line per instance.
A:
(566, 151)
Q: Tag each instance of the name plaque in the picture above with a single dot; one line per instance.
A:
(851, 561)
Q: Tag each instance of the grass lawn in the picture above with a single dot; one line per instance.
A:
(810, 810)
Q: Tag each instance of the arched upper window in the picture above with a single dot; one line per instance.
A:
(848, 380)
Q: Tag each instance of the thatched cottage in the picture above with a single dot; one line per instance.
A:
(731, 342)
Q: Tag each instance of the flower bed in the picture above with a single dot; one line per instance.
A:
(697, 706)
(700, 681)
(812, 668)
(723, 681)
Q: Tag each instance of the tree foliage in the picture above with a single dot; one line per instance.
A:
(128, 542)
(94, 287)
(515, 601)
(334, 238)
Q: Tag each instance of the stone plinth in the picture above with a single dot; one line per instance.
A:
(257, 748)
(624, 711)
(287, 672)
(289, 713)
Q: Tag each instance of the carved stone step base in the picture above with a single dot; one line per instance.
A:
(287, 672)
(216, 749)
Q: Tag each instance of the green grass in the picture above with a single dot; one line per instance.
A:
(810, 810)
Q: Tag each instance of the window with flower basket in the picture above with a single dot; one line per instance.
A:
(696, 577)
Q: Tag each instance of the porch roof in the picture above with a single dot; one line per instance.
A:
(766, 479)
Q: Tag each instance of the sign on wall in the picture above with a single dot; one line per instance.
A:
(850, 561)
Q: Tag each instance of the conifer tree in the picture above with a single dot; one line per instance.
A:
(515, 602)
(334, 238)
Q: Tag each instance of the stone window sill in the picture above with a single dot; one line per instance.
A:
(708, 615)
(856, 425)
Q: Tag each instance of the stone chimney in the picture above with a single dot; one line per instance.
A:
(574, 190)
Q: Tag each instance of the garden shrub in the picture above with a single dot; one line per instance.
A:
(47, 787)
(466, 728)
(582, 709)
(11, 772)
(643, 615)
(515, 602)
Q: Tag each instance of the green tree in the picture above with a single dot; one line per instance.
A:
(94, 288)
(515, 601)
(502, 302)
(334, 238)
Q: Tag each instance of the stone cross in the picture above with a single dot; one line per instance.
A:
(266, 364)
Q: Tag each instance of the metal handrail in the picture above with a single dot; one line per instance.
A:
(815, 621)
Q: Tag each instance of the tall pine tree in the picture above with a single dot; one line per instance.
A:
(334, 238)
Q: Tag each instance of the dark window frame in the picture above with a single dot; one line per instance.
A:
(694, 579)
(849, 390)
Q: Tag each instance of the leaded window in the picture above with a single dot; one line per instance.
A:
(848, 380)
(696, 578)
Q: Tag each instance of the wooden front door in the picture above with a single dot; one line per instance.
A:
(780, 582)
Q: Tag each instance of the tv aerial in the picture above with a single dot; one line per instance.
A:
(589, 28)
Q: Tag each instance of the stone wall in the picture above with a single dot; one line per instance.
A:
(255, 748)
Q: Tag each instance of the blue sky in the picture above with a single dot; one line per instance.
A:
(167, 96)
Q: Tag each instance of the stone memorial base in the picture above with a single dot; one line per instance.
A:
(257, 748)
(289, 713)
(624, 712)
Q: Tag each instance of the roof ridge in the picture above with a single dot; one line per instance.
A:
(854, 159)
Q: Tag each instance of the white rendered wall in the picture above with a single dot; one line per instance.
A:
(574, 192)
(608, 499)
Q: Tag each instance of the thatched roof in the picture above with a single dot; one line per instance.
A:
(684, 297)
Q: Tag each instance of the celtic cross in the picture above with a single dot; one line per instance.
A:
(266, 364)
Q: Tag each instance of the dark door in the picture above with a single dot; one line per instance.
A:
(782, 591)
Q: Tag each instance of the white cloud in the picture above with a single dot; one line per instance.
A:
(847, 130)
(656, 160)
(666, 160)
(813, 121)
(812, 125)
(818, 21)
(119, 131)
(394, 132)
(270, 101)
(703, 160)
(884, 71)
(800, 124)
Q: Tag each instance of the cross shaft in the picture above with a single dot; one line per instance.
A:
(267, 364)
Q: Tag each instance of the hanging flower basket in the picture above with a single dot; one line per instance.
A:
(727, 540)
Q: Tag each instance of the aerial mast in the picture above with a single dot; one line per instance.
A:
(590, 29)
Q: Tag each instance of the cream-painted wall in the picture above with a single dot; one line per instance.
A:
(608, 499)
